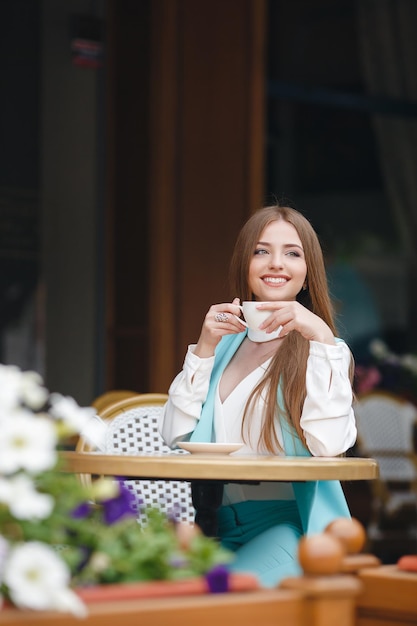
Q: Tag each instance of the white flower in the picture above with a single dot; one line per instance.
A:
(37, 578)
(409, 361)
(104, 489)
(99, 562)
(65, 408)
(4, 549)
(66, 601)
(23, 500)
(32, 392)
(379, 349)
(18, 387)
(10, 381)
(27, 442)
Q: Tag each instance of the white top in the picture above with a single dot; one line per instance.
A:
(327, 419)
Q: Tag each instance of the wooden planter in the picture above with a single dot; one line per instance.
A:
(162, 589)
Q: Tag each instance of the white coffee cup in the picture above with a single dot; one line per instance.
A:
(254, 318)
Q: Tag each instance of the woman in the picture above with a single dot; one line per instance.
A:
(290, 394)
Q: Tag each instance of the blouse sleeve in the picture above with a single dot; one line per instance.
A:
(328, 420)
(187, 394)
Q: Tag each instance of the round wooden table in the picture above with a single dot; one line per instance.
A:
(209, 472)
(225, 468)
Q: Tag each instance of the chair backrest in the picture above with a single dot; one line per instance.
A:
(385, 432)
(133, 427)
(108, 398)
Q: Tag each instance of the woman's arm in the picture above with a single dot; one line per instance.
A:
(189, 389)
(328, 420)
(187, 394)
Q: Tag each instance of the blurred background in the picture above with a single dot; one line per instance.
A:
(136, 138)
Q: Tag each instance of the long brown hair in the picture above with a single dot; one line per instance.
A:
(288, 365)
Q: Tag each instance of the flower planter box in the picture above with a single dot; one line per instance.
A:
(162, 589)
(177, 603)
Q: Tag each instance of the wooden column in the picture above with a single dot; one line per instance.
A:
(206, 162)
(127, 178)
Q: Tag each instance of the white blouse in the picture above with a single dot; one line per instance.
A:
(327, 419)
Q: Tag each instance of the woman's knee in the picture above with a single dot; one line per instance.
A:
(271, 555)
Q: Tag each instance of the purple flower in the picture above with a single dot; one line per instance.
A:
(174, 513)
(218, 579)
(81, 511)
(178, 561)
(138, 504)
(116, 508)
(85, 554)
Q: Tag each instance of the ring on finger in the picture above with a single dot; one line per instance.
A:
(221, 317)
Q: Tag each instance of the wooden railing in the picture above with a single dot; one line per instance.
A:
(339, 588)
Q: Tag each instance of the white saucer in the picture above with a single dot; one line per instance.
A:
(209, 448)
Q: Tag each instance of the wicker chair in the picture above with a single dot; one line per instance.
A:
(386, 425)
(133, 427)
(109, 398)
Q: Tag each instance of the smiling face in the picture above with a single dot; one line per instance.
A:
(278, 269)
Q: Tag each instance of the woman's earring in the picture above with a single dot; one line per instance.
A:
(305, 286)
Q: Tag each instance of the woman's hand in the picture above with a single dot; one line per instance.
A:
(221, 319)
(294, 316)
